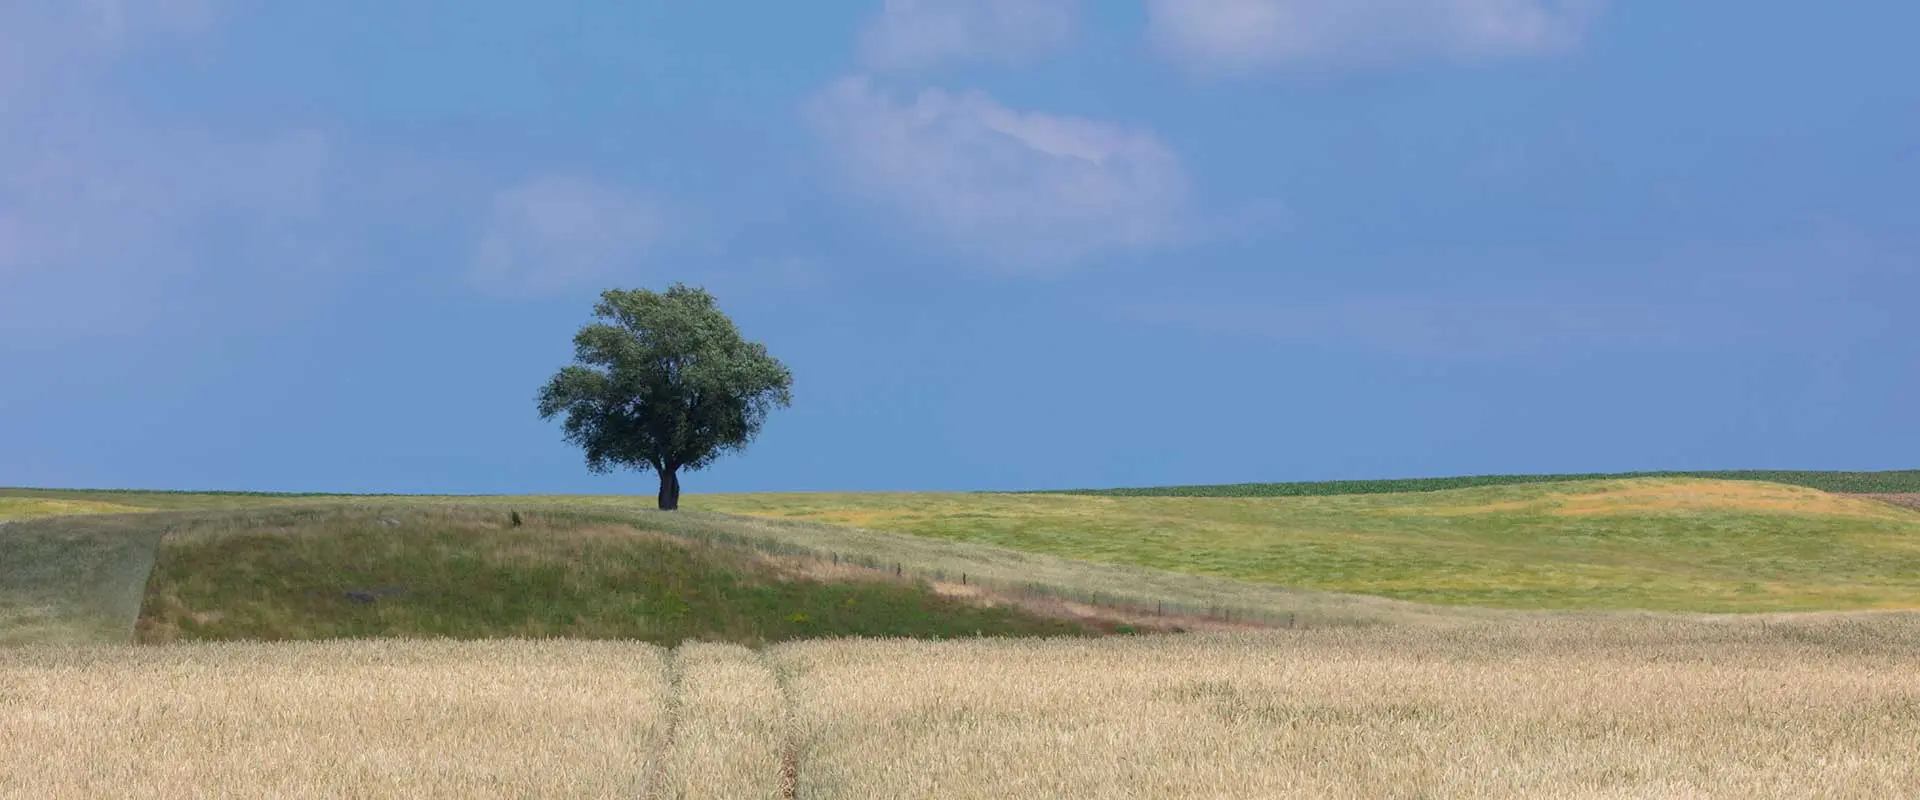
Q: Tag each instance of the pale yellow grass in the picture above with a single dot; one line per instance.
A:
(1743, 496)
(1664, 495)
(1786, 706)
(419, 719)
(1559, 709)
(730, 726)
(13, 508)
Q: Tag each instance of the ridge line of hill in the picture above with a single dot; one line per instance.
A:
(1880, 482)
(1905, 481)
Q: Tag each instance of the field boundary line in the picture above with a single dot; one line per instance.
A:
(658, 776)
(792, 736)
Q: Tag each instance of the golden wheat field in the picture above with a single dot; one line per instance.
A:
(1823, 706)
(389, 718)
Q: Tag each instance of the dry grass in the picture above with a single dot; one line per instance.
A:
(1904, 500)
(14, 508)
(730, 725)
(1665, 495)
(1819, 705)
(350, 719)
(1725, 496)
(1560, 709)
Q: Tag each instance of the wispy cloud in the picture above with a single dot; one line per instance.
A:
(1229, 36)
(1021, 190)
(914, 34)
(1692, 299)
(559, 231)
(102, 204)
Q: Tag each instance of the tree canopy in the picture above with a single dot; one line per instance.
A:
(663, 381)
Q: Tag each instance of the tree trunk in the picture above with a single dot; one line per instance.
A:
(669, 490)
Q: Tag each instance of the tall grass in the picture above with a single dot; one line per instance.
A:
(1816, 706)
(73, 580)
(1561, 709)
(466, 572)
(348, 719)
(730, 733)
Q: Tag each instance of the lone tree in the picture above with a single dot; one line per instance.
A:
(663, 381)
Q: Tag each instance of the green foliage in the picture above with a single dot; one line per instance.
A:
(1888, 482)
(461, 573)
(663, 381)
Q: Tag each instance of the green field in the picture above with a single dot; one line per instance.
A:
(467, 573)
(463, 571)
(69, 572)
(1663, 544)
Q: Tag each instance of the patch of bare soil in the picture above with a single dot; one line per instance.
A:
(1100, 617)
(1907, 500)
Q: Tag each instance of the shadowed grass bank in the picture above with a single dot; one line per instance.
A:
(470, 574)
(72, 580)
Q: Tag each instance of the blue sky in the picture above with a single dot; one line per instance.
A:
(1002, 243)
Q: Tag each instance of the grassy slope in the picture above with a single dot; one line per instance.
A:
(464, 573)
(1743, 547)
(1657, 544)
(74, 579)
(1018, 577)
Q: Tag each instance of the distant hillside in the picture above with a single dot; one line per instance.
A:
(1887, 482)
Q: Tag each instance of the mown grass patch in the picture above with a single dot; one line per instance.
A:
(466, 573)
(1652, 544)
(19, 508)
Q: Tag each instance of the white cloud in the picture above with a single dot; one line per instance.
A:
(103, 205)
(559, 231)
(912, 34)
(1024, 190)
(1239, 35)
(46, 46)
